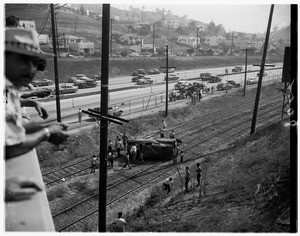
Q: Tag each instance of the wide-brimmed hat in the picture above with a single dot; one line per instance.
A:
(25, 42)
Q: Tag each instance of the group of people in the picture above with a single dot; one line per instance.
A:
(196, 96)
(167, 183)
(23, 58)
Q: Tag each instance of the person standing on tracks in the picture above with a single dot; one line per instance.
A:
(124, 139)
(110, 146)
(119, 223)
(110, 159)
(212, 89)
(167, 184)
(198, 171)
(133, 152)
(187, 178)
(181, 156)
(172, 134)
(79, 116)
(119, 146)
(127, 161)
(93, 164)
(162, 132)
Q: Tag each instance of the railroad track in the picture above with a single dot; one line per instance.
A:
(131, 183)
(82, 166)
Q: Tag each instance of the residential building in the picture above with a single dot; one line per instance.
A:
(78, 44)
(138, 25)
(44, 38)
(188, 40)
(211, 40)
(129, 39)
(171, 24)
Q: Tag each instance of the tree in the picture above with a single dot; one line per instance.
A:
(145, 30)
(182, 31)
(82, 10)
(190, 50)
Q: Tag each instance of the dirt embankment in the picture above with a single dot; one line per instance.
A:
(68, 67)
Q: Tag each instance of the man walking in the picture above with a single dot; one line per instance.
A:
(198, 171)
(167, 184)
(133, 152)
(127, 161)
(93, 164)
(187, 178)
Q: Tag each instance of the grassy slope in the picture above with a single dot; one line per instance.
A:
(231, 203)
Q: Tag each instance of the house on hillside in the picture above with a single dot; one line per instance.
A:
(44, 38)
(79, 44)
(138, 25)
(129, 39)
(188, 40)
(171, 24)
(211, 40)
(147, 47)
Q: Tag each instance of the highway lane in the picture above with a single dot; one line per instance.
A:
(130, 100)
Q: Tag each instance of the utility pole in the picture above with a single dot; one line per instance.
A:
(167, 79)
(75, 25)
(153, 35)
(261, 72)
(111, 21)
(56, 34)
(197, 41)
(55, 65)
(245, 79)
(104, 122)
(231, 43)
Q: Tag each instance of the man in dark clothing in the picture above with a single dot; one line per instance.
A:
(198, 171)
(187, 178)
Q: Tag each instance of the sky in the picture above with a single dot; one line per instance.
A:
(249, 17)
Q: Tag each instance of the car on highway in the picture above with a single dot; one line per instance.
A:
(42, 82)
(203, 76)
(252, 80)
(136, 78)
(139, 72)
(172, 77)
(237, 69)
(113, 111)
(233, 83)
(214, 79)
(85, 84)
(144, 80)
(223, 86)
(66, 88)
(84, 77)
(96, 77)
(153, 71)
(170, 70)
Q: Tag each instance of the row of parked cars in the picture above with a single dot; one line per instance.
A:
(151, 72)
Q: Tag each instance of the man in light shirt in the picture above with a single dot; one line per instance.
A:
(119, 223)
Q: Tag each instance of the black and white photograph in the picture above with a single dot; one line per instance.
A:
(150, 117)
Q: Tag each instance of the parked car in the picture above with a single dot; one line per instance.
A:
(233, 83)
(113, 111)
(223, 86)
(133, 54)
(42, 82)
(253, 80)
(205, 75)
(172, 77)
(97, 76)
(84, 77)
(153, 72)
(237, 69)
(75, 80)
(181, 84)
(170, 70)
(63, 89)
(215, 79)
(265, 74)
(139, 72)
(145, 81)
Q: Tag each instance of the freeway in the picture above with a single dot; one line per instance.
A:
(130, 96)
